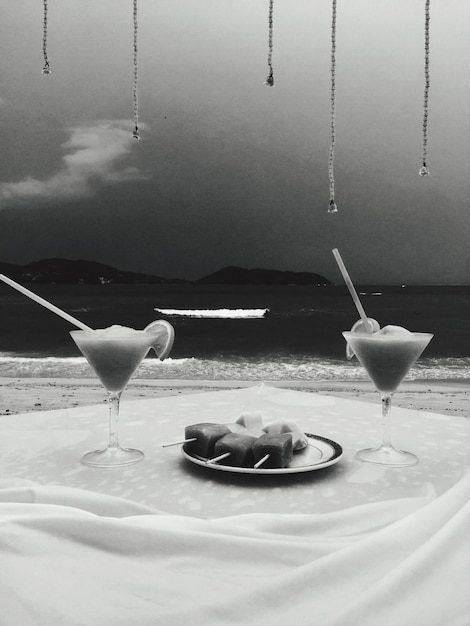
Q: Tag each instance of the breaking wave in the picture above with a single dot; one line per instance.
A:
(269, 368)
(215, 313)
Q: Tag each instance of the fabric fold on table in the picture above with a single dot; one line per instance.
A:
(71, 557)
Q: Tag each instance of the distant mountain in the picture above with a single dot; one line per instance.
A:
(10, 269)
(65, 271)
(77, 272)
(240, 276)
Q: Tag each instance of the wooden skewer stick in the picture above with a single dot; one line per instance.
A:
(219, 458)
(261, 461)
(178, 443)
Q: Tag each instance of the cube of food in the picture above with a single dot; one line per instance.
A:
(206, 434)
(279, 448)
(251, 420)
(299, 438)
(235, 427)
(240, 448)
(275, 428)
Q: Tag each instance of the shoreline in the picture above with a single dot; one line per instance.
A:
(24, 395)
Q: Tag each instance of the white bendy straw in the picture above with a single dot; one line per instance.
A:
(352, 290)
(44, 303)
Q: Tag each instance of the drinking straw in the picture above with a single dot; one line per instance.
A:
(352, 290)
(44, 303)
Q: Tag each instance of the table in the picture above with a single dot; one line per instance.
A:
(47, 446)
(167, 542)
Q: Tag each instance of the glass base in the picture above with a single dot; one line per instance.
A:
(112, 457)
(387, 455)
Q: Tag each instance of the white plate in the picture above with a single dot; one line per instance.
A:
(320, 452)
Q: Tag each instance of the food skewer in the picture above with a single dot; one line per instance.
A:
(221, 457)
(261, 461)
(273, 446)
(178, 443)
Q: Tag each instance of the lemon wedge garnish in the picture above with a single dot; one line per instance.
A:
(359, 327)
(164, 337)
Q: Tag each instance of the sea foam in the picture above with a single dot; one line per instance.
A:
(269, 368)
(215, 313)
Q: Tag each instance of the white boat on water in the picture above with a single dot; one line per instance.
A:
(215, 313)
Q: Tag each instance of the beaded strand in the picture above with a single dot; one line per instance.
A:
(332, 207)
(269, 82)
(424, 171)
(46, 70)
(136, 133)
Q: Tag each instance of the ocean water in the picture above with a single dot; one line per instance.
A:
(299, 339)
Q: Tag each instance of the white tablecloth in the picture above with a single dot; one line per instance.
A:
(349, 545)
(46, 447)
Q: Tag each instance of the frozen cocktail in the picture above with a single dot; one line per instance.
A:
(387, 355)
(115, 353)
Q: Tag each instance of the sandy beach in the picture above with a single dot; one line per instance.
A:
(22, 395)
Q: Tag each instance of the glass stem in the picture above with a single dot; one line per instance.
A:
(386, 408)
(113, 402)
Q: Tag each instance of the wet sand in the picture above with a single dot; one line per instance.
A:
(22, 395)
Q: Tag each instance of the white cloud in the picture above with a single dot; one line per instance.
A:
(94, 157)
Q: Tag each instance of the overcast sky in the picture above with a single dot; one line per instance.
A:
(228, 171)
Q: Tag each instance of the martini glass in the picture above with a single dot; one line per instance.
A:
(114, 354)
(387, 358)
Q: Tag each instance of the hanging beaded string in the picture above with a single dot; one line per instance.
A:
(136, 133)
(424, 171)
(269, 82)
(332, 207)
(46, 70)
